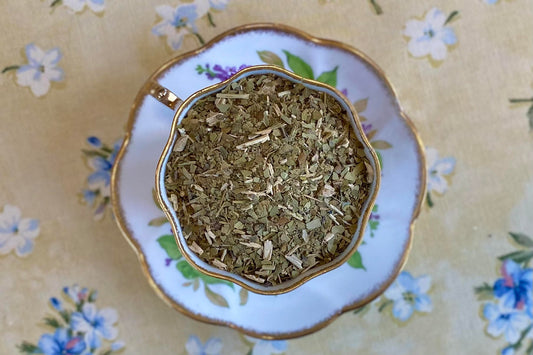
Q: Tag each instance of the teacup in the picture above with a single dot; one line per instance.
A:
(171, 100)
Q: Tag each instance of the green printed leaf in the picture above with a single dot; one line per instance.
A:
(215, 298)
(522, 239)
(168, 243)
(299, 66)
(484, 292)
(53, 322)
(28, 348)
(269, 57)
(522, 256)
(356, 261)
(429, 200)
(11, 67)
(451, 17)
(385, 305)
(329, 77)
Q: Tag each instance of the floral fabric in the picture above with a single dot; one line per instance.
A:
(70, 71)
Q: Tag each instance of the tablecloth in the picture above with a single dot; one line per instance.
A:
(70, 282)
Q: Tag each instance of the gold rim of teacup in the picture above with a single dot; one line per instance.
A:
(292, 284)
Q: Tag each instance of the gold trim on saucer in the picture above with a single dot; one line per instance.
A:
(362, 221)
(124, 227)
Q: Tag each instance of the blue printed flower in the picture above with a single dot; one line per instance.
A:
(430, 36)
(58, 306)
(194, 346)
(17, 233)
(491, 2)
(61, 343)
(76, 294)
(409, 294)
(267, 347)
(40, 70)
(79, 5)
(515, 288)
(95, 324)
(100, 179)
(503, 320)
(176, 23)
(509, 350)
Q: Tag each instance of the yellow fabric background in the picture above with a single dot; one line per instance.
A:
(460, 107)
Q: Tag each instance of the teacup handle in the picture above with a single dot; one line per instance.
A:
(164, 95)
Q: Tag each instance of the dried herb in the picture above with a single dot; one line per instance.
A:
(267, 179)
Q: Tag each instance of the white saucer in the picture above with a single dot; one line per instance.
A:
(312, 306)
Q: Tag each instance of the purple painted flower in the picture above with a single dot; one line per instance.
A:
(367, 127)
(218, 71)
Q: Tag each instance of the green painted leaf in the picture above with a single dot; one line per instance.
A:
(329, 77)
(11, 67)
(187, 270)
(522, 239)
(530, 116)
(299, 66)
(209, 280)
(380, 159)
(356, 261)
(168, 243)
(243, 296)
(28, 348)
(373, 225)
(360, 105)
(380, 145)
(158, 221)
(215, 298)
(375, 208)
(269, 57)
(385, 305)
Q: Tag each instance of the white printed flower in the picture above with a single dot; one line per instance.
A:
(409, 294)
(79, 5)
(218, 4)
(95, 324)
(40, 70)
(430, 36)
(267, 347)
(17, 233)
(194, 346)
(176, 23)
(437, 170)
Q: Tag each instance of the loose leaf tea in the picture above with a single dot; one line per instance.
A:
(267, 178)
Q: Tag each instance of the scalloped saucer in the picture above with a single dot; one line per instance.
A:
(388, 236)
